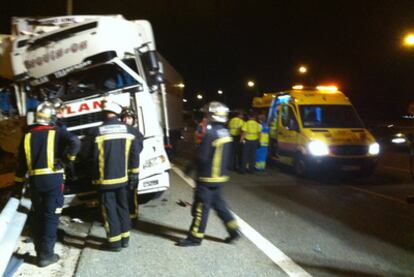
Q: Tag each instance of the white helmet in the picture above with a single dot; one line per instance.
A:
(45, 113)
(216, 112)
(111, 106)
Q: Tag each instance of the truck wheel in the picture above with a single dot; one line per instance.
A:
(300, 166)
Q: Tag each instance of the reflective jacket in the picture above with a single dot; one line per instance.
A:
(42, 152)
(251, 129)
(264, 136)
(115, 149)
(213, 154)
(235, 125)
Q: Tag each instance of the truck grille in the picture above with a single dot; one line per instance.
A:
(349, 150)
(82, 120)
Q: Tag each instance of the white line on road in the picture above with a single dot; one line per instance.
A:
(274, 253)
(378, 195)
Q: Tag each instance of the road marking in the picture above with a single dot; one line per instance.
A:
(274, 253)
(379, 195)
(395, 168)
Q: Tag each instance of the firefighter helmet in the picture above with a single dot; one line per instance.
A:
(216, 112)
(127, 112)
(111, 106)
(45, 113)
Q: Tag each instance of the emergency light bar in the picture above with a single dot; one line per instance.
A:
(327, 88)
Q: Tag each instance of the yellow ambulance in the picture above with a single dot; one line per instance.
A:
(318, 128)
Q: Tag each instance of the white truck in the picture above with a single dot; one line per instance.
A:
(84, 59)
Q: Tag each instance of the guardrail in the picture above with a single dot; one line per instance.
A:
(11, 225)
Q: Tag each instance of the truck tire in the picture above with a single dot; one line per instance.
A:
(301, 166)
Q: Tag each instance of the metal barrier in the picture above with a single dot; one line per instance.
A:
(11, 226)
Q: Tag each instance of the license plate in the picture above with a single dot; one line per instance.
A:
(350, 167)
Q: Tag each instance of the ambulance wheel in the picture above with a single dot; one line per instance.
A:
(300, 166)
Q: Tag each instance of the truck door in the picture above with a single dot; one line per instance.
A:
(288, 131)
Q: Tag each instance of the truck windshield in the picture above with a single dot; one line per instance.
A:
(329, 116)
(95, 80)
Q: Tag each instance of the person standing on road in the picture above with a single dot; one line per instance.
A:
(115, 149)
(261, 152)
(212, 161)
(235, 125)
(250, 139)
(128, 117)
(40, 156)
(200, 131)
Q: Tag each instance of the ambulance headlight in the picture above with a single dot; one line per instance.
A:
(374, 149)
(154, 162)
(318, 148)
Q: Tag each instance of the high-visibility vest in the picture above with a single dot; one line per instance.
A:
(252, 129)
(235, 125)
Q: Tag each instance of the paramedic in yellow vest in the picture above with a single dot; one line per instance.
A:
(235, 126)
(261, 152)
(250, 138)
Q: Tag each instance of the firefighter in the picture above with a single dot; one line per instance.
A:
(212, 159)
(115, 149)
(250, 139)
(41, 159)
(235, 125)
(128, 117)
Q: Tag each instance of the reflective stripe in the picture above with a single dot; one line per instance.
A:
(71, 158)
(43, 171)
(20, 180)
(58, 210)
(51, 149)
(105, 219)
(50, 152)
(214, 179)
(28, 151)
(218, 155)
(197, 221)
(101, 158)
(114, 136)
(127, 147)
(232, 225)
(125, 234)
(111, 181)
(114, 239)
(133, 170)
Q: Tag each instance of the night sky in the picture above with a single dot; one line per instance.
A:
(221, 44)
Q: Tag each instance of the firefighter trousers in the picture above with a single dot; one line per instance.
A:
(47, 207)
(208, 196)
(115, 214)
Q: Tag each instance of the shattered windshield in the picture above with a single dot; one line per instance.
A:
(83, 83)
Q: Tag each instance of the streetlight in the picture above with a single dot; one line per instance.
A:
(409, 40)
(220, 92)
(199, 96)
(250, 84)
(302, 69)
(184, 100)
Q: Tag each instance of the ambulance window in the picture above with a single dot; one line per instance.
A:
(292, 123)
(284, 115)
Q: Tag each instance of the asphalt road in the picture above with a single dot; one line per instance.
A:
(328, 226)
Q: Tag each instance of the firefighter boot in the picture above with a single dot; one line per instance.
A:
(234, 236)
(189, 242)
